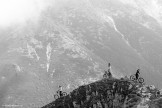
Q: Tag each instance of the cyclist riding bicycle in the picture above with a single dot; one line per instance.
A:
(137, 74)
(108, 72)
(136, 77)
(60, 91)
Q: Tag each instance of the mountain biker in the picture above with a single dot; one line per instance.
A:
(60, 91)
(107, 73)
(137, 74)
(109, 70)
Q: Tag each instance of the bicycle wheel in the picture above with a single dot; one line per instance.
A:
(56, 96)
(140, 80)
(64, 94)
(133, 77)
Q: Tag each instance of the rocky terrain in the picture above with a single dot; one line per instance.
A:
(111, 93)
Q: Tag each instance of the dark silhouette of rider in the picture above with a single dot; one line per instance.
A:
(60, 91)
(137, 74)
(109, 70)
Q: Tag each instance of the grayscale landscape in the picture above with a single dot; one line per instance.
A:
(70, 43)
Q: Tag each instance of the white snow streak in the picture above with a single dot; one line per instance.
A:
(112, 23)
(48, 53)
(17, 67)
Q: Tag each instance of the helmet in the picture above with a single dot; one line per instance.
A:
(59, 86)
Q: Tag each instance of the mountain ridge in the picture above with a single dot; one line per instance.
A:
(110, 93)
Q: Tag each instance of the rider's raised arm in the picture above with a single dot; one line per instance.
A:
(109, 67)
(138, 71)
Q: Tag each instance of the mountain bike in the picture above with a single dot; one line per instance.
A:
(107, 75)
(133, 78)
(57, 95)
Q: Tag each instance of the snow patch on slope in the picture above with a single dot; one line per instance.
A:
(17, 67)
(31, 52)
(38, 44)
(48, 53)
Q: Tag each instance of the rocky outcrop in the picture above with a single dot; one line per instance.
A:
(106, 93)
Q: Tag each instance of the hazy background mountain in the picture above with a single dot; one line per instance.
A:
(70, 43)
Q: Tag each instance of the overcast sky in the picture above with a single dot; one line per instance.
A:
(19, 11)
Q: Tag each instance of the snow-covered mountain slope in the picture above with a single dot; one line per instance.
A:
(71, 45)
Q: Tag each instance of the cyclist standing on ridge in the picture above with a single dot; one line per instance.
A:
(107, 73)
(109, 67)
(137, 74)
(109, 70)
